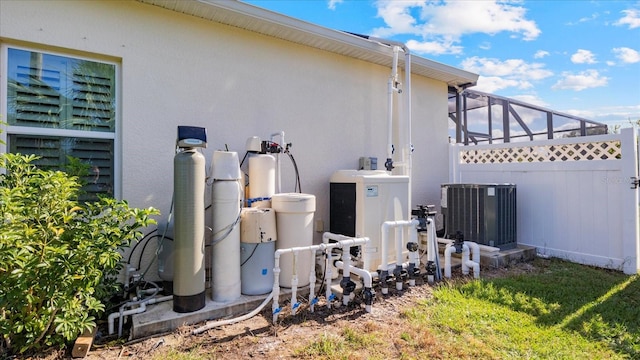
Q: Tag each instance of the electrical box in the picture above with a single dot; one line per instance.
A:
(360, 201)
(484, 213)
(368, 163)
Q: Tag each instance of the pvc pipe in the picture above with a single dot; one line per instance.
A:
(391, 88)
(342, 242)
(475, 262)
(485, 248)
(312, 282)
(447, 260)
(399, 241)
(367, 279)
(398, 270)
(214, 324)
(465, 259)
(346, 275)
(294, 284)
(282, 143)
(328, 275)
(142, 307)
(475, 248)
(432, 250)
(407, 110)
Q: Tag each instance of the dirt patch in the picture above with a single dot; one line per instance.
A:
(258, 338)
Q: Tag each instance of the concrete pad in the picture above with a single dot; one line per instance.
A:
(160, 318)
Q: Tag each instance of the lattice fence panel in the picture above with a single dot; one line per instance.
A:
(603, 150)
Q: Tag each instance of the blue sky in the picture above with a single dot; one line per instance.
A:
(580, 57)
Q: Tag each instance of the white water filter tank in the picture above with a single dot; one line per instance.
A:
(262, 179)
(294, 222)
(226, 203)
(257, 248)
(189, 268)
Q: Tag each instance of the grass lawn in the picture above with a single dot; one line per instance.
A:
(559, 310)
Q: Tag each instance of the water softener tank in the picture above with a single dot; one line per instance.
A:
(188, 251)
(294, 222)
(226, 202)
(262, 176)
(257, 248)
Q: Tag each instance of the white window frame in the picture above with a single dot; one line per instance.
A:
(25, 130)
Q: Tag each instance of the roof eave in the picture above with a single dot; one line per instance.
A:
(269, 23)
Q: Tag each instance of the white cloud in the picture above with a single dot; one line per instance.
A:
(627, 55)
(332, 4)
(581, 81)
(531, 99)
(513, 68)
(485, 45)
(447, 21)
(540, 54)
(492, 84)
(583, 57)
(631, 18)
(433, 47)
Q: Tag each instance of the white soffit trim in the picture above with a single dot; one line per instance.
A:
(252, 18)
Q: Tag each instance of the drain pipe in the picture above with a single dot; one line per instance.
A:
(219, 323)
(142, 307)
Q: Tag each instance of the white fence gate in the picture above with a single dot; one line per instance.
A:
(576, 197)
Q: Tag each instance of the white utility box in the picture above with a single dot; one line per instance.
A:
(360, 201)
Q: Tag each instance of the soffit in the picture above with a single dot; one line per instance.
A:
(269, 23)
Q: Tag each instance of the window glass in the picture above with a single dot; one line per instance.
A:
(59, 92)
(62, 109)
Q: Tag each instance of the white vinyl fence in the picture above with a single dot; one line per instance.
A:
(576, 198)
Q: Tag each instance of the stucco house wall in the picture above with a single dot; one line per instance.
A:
(177, 69)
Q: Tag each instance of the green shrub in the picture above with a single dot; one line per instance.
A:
(58, 258)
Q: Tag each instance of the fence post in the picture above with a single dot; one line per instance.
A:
(629, 196)
(454, 163)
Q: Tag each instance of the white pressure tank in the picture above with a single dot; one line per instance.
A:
(294, 221)
(257, 247)
(262, 179)
(226, 203)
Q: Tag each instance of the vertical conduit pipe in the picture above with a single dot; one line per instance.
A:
(312, 281)
(447, 260)
(294, 284)
(399, 259)
(346, 277)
